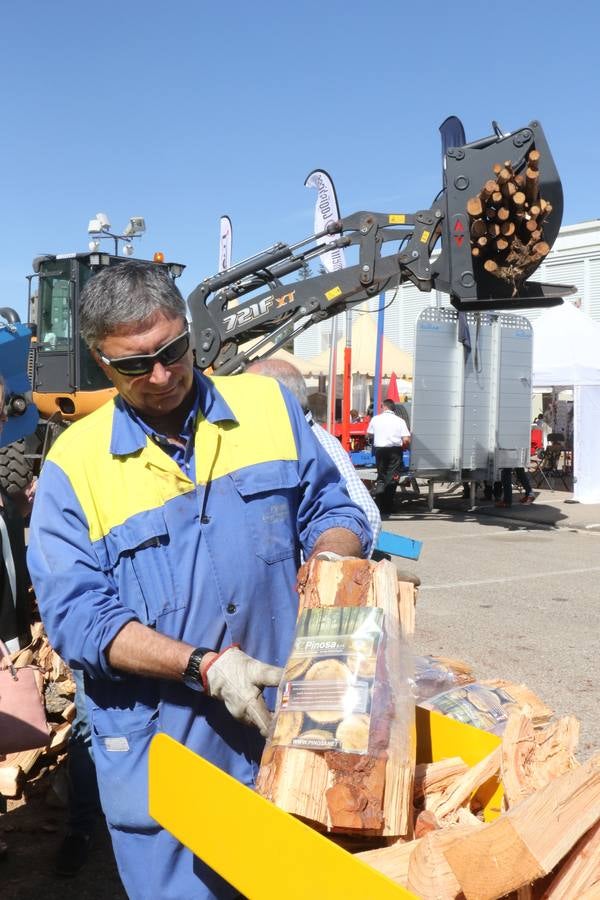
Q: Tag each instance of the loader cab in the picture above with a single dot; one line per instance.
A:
(67, 383)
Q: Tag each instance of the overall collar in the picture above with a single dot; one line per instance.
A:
(128, 436)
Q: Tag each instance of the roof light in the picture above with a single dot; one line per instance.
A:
(159, 257)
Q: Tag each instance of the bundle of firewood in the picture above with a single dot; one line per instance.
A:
(507, 222)
(360, 782)
(59, 700)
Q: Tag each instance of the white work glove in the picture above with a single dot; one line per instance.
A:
(237, 680)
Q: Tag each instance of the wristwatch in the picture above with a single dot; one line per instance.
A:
(191, 676)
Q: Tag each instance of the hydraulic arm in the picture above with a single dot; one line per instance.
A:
(435, 249)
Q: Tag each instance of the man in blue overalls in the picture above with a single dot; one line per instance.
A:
(164, 545)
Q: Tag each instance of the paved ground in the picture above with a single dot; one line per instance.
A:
(514, 593)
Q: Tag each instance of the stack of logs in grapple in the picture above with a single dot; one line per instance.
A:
(507, 222)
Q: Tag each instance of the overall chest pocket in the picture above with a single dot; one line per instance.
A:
(270, 496)
(140, 557)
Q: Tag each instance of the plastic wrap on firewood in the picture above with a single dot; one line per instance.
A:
(348, 769)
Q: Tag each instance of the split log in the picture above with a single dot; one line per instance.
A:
(464, 786)
(14, 769)
(368, 793)
(529, 840)
(425, 822)
(391, 861)
(580, 873)
(429, 874)
(431, 778)
(532, 759)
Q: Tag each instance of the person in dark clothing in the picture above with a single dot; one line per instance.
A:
(390, 436)
(523, 478)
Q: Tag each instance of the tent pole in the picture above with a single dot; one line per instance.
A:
(378, 356)
(347, 389)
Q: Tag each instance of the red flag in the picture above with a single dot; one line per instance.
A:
(392, 391)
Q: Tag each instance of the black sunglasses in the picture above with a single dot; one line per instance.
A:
(143, 365)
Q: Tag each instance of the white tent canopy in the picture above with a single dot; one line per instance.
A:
(566, 345)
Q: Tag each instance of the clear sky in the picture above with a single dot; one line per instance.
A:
(183, 111)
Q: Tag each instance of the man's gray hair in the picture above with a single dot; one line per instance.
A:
(126, 293)
(286, 374)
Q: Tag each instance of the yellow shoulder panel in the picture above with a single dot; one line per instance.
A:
(111, 489)
(263, 432)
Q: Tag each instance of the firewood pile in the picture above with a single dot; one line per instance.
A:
(507, 220)
(58, 690)
(545, 843)
(433, 839)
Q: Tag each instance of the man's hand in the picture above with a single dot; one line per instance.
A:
(340, 541)
(237, 680)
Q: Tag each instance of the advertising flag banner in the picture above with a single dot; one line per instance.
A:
(326, 211)
(225, 240)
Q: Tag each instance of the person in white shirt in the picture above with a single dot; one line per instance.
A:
(390, 436)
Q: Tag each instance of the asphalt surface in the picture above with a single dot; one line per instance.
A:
(514, 593)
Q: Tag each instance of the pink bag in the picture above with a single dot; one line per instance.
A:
(23, 723)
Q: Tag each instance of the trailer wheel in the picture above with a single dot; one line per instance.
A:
(15, 469)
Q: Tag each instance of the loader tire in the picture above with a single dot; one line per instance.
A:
(15, 468)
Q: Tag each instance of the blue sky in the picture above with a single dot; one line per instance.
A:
(181, 112)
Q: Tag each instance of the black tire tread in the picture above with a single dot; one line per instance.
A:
(15, 468)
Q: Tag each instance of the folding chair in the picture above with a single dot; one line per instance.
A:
(549, 463)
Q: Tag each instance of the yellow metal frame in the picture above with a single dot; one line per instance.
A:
(265, 853)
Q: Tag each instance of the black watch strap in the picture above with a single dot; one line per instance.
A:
(191, 676)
